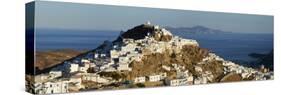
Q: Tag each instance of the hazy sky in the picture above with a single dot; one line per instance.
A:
(103, 17)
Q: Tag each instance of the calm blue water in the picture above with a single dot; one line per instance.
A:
(70, 39)
(230, 46)
(234, 46)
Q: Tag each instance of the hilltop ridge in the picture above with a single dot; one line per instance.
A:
(144, 30)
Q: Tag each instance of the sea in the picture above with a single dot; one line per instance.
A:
(230, 46)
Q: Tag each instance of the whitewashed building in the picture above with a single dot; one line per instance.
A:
(114, 54)
(110, 69)
(41, 78)
(85, 61)
(123, 67)
(76, 80)
(198, 69)
(73, 68)
(139, 80)
(177, 82)
(94, 78)
(154, 78)
(83, 69)
(189, 79)
(123, 59)
(51, 87)
(55, 74)
(200, 80)
(167, 68)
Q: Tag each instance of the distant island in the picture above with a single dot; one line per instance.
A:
(196, 30)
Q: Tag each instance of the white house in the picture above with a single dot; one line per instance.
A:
(245, 75)
(114, 54)
(147, 23)
(124, 59)
(96, 55)
(109, 69)
(198, 69)
(123, 66)
(200, 80)
(53, 87)
(128, 48)
(90, 77)
(181, 74)
(208, 75)
(37, 87)
(73, 68)
(85, 61)
(167, 68)
(94, 78)
(154, 78)
(156, 27)
(76, 80)
(189, 79)
(177, 82)
(139, 80)
(55, 74)
(83, 69)
(41, 78)
(103, 55)
(138, 57)
(166, 32)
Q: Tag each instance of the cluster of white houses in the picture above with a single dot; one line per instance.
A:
(122, 54)
(66, 77)
(245, 72)
(117, 57)
(184, 77)
(151, 78)
(54, 82)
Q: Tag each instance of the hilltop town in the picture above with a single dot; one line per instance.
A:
(144, 56)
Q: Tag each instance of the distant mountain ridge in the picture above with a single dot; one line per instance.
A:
(196, 30)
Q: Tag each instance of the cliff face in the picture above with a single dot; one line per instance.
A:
(151, 63)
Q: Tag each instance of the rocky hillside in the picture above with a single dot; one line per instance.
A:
(145, 30)
(189, 56)
(159, 47)
(150, 63)
(47, 59)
